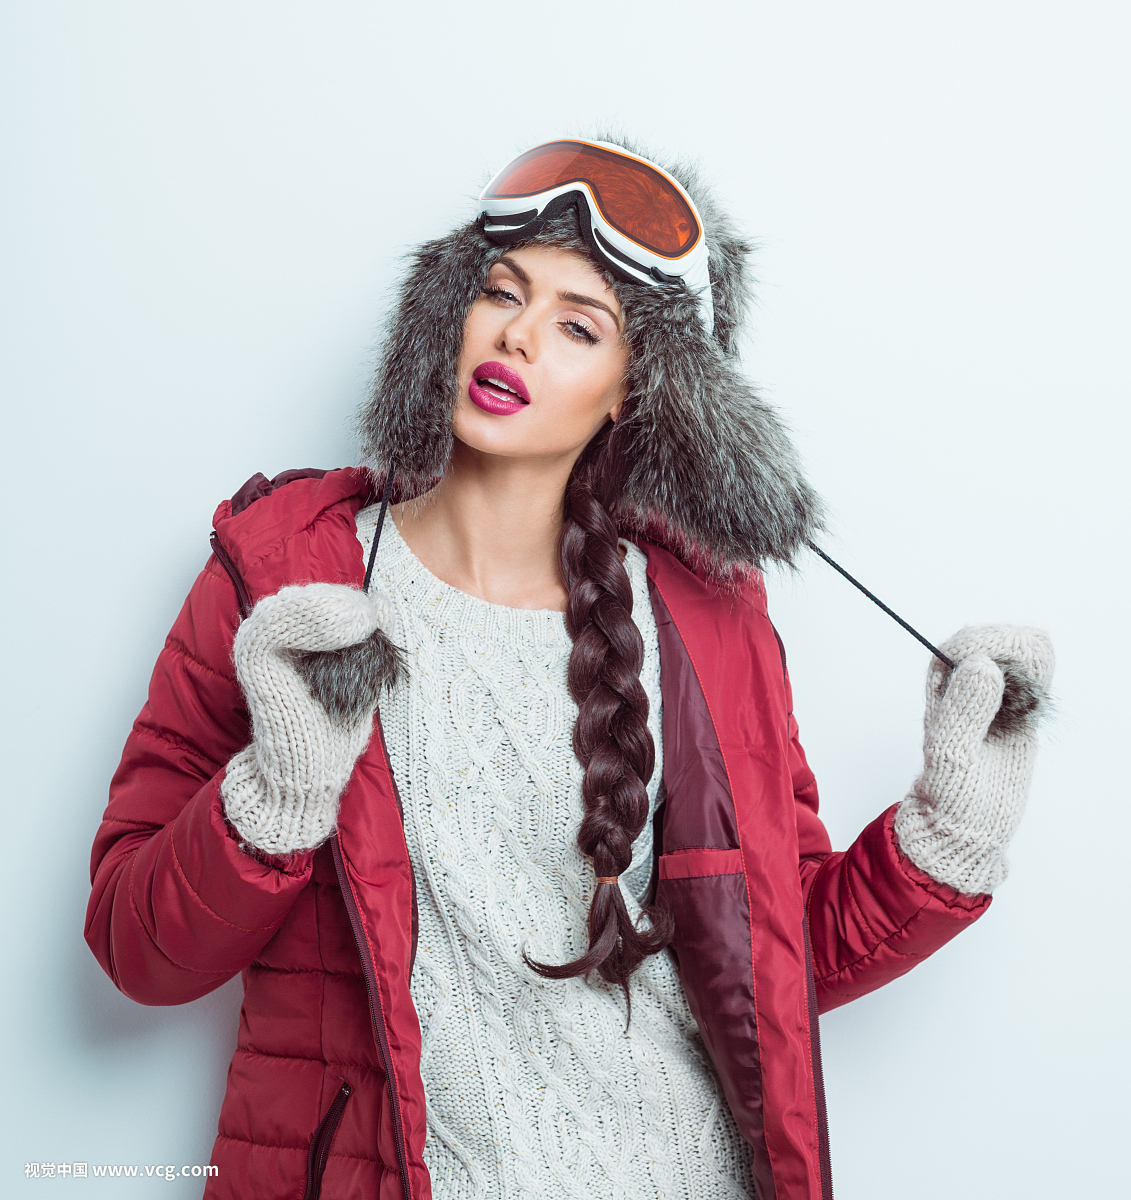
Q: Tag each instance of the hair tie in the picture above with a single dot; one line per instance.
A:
(607, 878)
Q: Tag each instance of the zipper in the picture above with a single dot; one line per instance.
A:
(818, 1072)
(320, 1143)
(233, 574)
(376, 1016)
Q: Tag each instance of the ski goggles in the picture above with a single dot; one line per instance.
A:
(633, 214)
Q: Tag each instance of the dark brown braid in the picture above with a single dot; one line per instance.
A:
(610, 737)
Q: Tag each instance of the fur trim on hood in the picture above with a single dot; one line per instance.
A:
(715, 476)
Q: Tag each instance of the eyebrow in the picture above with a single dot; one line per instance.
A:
(506, 261)
(577, 298)
(570, 297)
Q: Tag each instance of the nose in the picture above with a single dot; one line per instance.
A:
(519, 336)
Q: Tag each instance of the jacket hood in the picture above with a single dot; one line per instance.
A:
(715, 476)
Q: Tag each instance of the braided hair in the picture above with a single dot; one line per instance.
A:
(610, 736)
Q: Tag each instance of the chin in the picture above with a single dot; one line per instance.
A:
(481, 432)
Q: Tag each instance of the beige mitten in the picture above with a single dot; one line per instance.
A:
(311, 661)
(978, 751)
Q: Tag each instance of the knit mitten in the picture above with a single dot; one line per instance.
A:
(311, 661)
(978, 751)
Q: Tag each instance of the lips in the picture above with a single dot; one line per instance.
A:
(498, 389)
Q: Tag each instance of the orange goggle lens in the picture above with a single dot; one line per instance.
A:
(633, 197)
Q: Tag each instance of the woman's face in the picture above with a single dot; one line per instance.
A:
(543, 362)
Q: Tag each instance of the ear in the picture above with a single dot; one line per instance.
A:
(615, 411)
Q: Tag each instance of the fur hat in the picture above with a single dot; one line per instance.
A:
(714, 475)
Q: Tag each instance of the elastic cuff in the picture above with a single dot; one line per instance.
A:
(295, 863)
(953, 858)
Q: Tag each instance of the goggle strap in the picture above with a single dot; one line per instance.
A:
(535, 218)
(515, 218)
(607, 250)
(609, 254)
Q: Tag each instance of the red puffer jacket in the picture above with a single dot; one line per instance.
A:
(324, 1094)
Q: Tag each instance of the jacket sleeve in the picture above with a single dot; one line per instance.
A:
(872, 914)
(176, 906)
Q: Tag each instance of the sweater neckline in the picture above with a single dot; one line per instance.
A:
(443, 605)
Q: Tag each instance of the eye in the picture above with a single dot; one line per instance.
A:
(580, 332)
(499, 294)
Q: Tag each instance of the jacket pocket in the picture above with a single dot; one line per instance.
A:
(320, 1143)
(700, 863)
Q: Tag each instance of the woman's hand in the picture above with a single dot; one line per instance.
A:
(311, 661)
(978, 750)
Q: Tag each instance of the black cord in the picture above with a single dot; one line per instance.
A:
(380, 525)
(876, 600)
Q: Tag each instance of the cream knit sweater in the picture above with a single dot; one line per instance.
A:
(533, 1086)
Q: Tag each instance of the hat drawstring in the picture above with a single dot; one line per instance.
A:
(816, 550)
(876, 600)
(380, 524)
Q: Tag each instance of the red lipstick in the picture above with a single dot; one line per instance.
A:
(498, 389)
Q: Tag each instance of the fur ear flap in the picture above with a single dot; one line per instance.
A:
(713, 465)
(408, 418)
(349, 682)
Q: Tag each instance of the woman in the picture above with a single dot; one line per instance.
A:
(585, 752)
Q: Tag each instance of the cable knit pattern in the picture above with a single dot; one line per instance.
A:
(962, 811)
(533, 1086)
(281, 793)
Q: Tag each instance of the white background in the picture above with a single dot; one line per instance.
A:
(203, 207)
